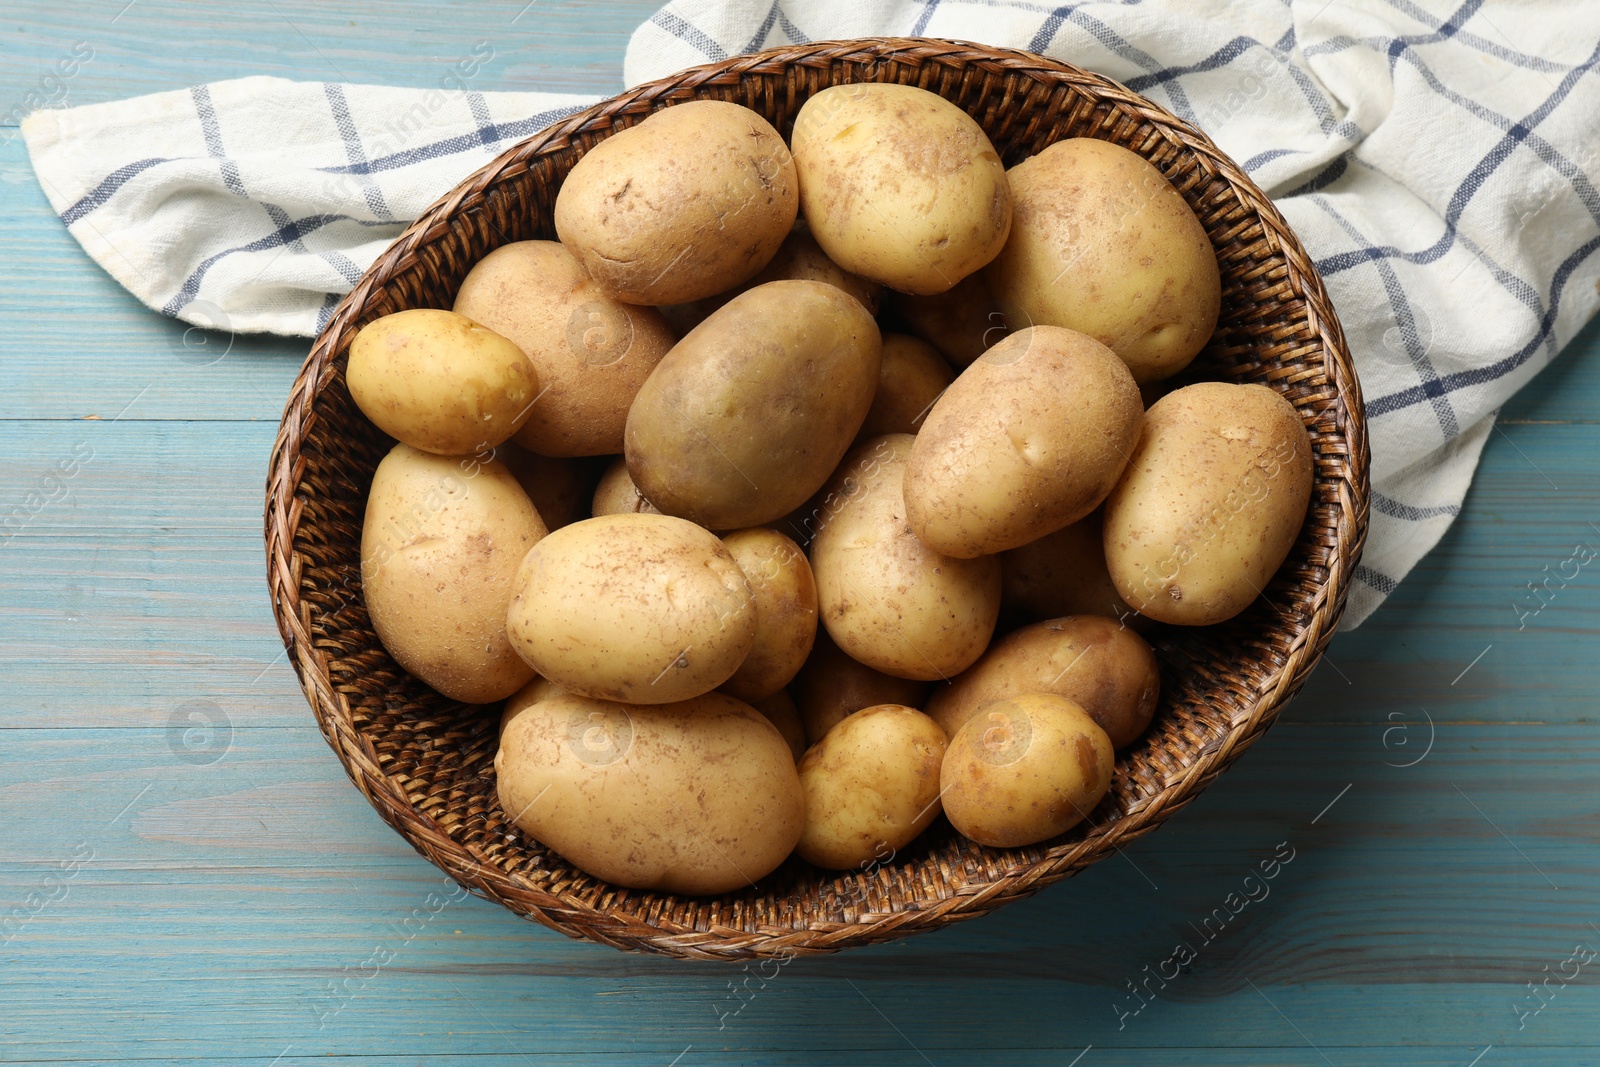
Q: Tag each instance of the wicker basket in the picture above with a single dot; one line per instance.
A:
(426, 763)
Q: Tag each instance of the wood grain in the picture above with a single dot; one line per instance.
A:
(224, 898)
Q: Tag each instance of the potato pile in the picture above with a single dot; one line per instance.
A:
(800, 493)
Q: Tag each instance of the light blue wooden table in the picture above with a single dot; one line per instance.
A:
(185, 872)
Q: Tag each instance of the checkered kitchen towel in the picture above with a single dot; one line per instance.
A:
(1438, 159)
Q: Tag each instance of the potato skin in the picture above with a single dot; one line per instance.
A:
(831, 686)
(1024, 770)
(1063, 573)
(644, 609)
(1095, 662)
(899, 185)
(440, 382)
(748, 415)
(440, 546)
(911, 376)
(689, 203)
(695, 797)
(786, 611)
(887, 599)
(559, 488)
(962, 324)
(591, 352)
(1102, 244)
(871, 786)
(1030, 438)
(799, 258)
(617, 495)
(1211, 502)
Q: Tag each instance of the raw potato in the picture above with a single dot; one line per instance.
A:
(1025, 770)
(899, 185)
(786, 611)
(800, 258)
(1030, 438)
(695, 797)
(591, 352)
(559, 488)
(780, 711)
(440, 382)
(1211, 502)
(911, 377)
(535, 691)
(440, 547)
(871, 786)
(1063, 573)
(1103, 245)
(962, 323)
(750, 413)
(887, 599)
(645, 609)
(1107, 670)
(832, 685)
(617, 495)
(689, 203)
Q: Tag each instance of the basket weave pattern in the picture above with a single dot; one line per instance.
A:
(425, 762)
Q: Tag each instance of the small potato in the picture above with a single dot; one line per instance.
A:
(1024, 770)
(1030, 438)
(899, 185)
(1210, 504)
(440, 382)
(871, 786)
(440, 547)
(559, 488)
(888, 599)
(1103, 245)
(1107, 670)
(645, 609)
(687, 204)
(832, 685)
(1063, 573)
(617, 495)
(695, 797)
(911, 377)
(591, 352)
(786, 611)
(780, 711)
(749, 414)
(800, 258)
(962, 324)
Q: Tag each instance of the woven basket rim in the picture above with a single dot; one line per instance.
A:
(632, 928)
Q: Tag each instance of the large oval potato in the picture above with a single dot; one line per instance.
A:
(440, 547)
(559, 488)
(831, 686)
(1024, 770)
(786, 611)
(1063, 573)
(440, 381)
(690, 202)
(617, 495)
(591, 352)
(911, 376)
(871, 786)
(899, 185)
(1028, 439)
(1103, 245)
(1093, 661)
(645, 609)
(888, 599)
(695, 797)
(799, 258)
(1211, 502)
(748, 415)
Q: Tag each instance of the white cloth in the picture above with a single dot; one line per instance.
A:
(1439, 167)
